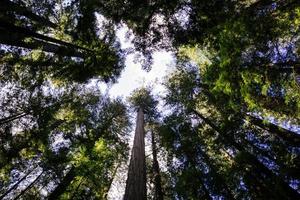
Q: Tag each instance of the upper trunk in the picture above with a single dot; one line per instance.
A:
(136, 181)
(29, 186)
(29, 33)
(12, 117)
(17, 183)
(13, 39)
(7, 5)
(285, 134)
(158, 195)
(65, 182)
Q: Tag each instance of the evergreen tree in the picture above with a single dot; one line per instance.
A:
(228, 127)
(142, 102)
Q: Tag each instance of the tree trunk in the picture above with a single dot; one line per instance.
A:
(62, 186)
(65, 182)
(17, 183)
(29, 33)
(7, 5)
(14, 39)
(281, 187)
(136, 180)
(287, 135)
(14, 35)
(288, 170)
(220, 182)
(30, 110)
(158, 194)
(29, 186)
(12, 117)
(111, 180)
(196, 175)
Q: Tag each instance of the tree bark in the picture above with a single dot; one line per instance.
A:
(289, 171)
(30, 110)
(12, 118)
(17, 183)
(62, 186)
(136, 180)
(111, 180)
(29, 186)
(158, 194)
(29, 33)
(7, 5)
(220, 182)
(287, 135)
(13, 39)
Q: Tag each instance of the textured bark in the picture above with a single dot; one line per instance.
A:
(158, 194)
(287, 135)
(71, 174)
(111, 180)
(288, 170)
(190, 185)
(136, 180)
(13, 35)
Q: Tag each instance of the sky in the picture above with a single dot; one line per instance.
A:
(133, 76)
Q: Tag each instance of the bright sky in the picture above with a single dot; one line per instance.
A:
(133, 76)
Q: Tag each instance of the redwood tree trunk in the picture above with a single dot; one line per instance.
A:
(287, 135)
(136, 180)
(29, 186)
(61, 188)
(7, 5)
(17, 183)
(12, 117)
(158, 195)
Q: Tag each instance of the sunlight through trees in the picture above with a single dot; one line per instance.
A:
(224, 126)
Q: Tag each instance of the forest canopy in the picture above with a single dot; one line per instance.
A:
(225, 126)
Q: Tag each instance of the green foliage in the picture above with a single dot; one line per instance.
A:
(142, 98)
(234, 88)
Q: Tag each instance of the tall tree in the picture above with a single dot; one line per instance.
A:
(185, 93)
(158, 192)
(136, 181)
(144, 103)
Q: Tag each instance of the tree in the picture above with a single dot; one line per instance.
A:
(142, 101)
(158, 192)
(136, 181)
(224, 126)
(185, 95)
(99, 142)
(99, 153)
(94, 56)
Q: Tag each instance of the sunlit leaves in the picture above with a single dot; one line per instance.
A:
(195, 54)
